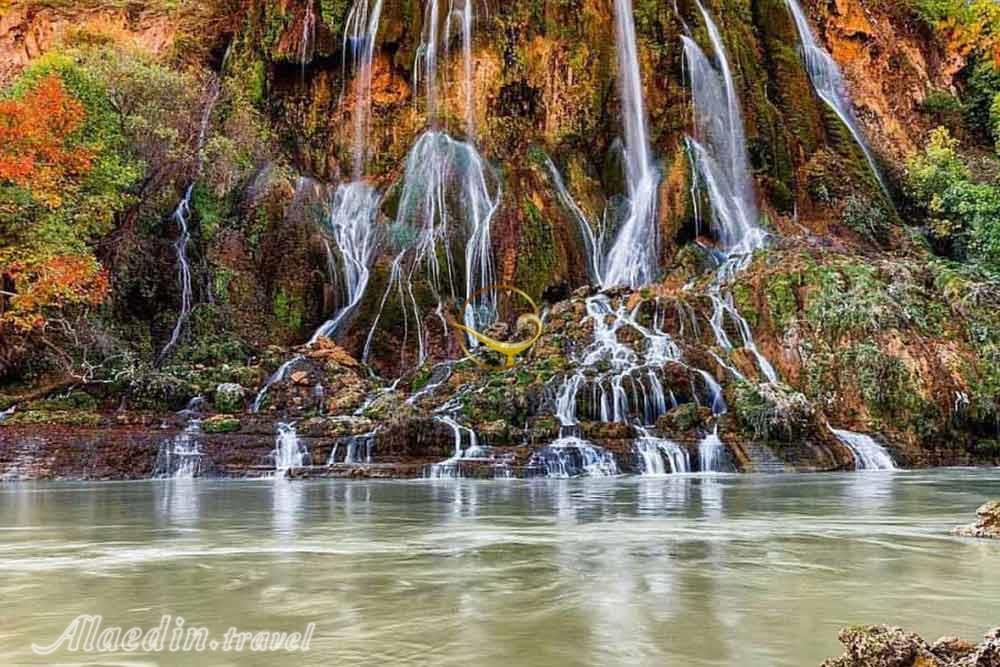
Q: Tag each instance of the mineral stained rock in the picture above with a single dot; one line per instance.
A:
(987, 523)
(884, 646)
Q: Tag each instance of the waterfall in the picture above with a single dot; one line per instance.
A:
(289, 452)
(713, 455)
(450, 195)
(448, 469)
(456, 13)
(721, 166)
(718, 147)
(659, 456)
(308, 37)
(633, 257)
(352, 225)
(360, 32)
(442, 171)
(278, 376)
(593, 240)
(718, 405)
(180, 457)
(181, 216)
(355, 445)
(828, 82)
(868, 454)
(625, 382)
(572, 457)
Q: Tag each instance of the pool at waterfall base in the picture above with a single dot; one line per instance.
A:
(676, 569)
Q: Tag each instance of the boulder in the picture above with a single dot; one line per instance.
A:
(987, 524)
(884, 646)
(229, 397)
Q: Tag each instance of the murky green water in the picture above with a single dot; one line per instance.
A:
(742, 570)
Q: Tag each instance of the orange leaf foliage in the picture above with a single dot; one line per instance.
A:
(35, 150)
(55, 283)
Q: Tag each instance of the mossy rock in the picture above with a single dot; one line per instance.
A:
(221, 424)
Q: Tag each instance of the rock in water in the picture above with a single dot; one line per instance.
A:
(884, 646)
(987, 524)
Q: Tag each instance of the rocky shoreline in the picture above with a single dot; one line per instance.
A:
(885, 646)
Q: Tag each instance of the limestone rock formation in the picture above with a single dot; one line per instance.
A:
(987, 523)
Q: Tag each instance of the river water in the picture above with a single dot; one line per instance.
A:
(680, 570)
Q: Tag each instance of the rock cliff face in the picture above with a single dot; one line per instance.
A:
(29, 30)
(861, 331)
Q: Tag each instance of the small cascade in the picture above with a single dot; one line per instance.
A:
(351, 224)
(868, 454)
(659, 456)
(180, 457)
(440, 374)
(713, 455)
(617, 381)
(182, 216)
(475, 453)
(448, 469)
(723, 306)
(718, 401)
(289, 452)
(278, 376)
(571, 456)
(358, 449)
(828, 82)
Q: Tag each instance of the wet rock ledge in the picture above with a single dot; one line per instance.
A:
(884, 646)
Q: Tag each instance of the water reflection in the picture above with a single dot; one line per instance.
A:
(684, 569)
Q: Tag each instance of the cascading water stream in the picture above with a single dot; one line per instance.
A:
(354, 207)
(660, 456)
(8, 413)
(718, 147)
(360, 33)
(278, 376)
(307, 39)
(182, 216)
(450, 195)
(868, 454)
(352, 226)
(632, 259)
(828, 82)
(722, 167)
(181, 457)
(593, 237)
(440, 170)
(713, 455)
(289, 452)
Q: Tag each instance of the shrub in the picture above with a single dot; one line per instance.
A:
(962, 217)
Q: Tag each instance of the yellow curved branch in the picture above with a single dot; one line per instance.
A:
(509, 350)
